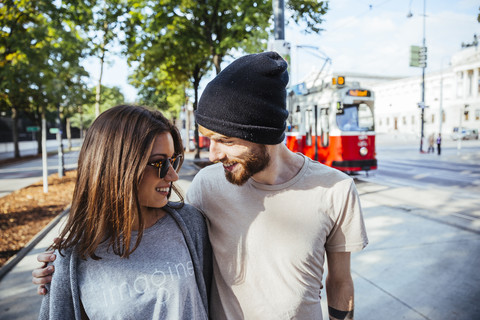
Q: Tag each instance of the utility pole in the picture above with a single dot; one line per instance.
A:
(279, 19)
(279, 45)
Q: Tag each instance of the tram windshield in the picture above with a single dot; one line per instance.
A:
(356, 117)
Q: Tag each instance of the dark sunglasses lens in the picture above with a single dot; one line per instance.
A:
(176, 163)
(164, 168)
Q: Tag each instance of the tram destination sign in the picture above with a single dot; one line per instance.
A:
(359, 93)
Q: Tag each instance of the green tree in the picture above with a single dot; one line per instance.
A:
(40, 49)
(104, 28)
(85, 113)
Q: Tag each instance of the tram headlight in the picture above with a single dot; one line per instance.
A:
(363, 151)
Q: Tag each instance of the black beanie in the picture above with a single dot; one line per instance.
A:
(247, 99)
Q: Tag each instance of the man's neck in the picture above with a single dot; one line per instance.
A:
(284, 165)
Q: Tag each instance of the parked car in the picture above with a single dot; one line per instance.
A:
(464, 134)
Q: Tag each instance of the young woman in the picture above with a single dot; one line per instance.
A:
(127, 252)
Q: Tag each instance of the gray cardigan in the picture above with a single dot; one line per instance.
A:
(63, 299)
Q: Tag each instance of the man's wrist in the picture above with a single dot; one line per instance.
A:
(339, 314)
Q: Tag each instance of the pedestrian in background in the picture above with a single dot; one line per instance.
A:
(431, 143)
(126, 252)
(439, 144)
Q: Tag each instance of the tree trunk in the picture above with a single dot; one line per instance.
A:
(187, 121)
(61, 167)
(196, 83)
(217, 61)
(38, 123)
(69, 134)
(102, 61)
(16, 147)
(39, 137)
(44, 151)
(98, 93)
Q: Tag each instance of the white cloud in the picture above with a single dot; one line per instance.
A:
(378, 40)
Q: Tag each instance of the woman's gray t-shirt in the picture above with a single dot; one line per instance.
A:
(157, 281)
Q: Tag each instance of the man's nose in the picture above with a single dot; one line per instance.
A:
(215, 152)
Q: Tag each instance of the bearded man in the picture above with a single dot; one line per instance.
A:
(277, 213)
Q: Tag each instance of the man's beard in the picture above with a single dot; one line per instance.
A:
(249, 164)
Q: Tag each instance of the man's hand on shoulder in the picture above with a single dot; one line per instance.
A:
(43, 274)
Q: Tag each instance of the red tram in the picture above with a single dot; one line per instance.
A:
(334, 124)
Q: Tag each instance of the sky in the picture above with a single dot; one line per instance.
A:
(361, 36)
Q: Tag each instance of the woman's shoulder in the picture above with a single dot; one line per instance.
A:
(188, 213)
(63, 262)
(192, 219)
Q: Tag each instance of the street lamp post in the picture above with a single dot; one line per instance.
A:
(419, 59)
(423, 84)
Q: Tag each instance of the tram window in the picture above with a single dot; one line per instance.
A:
(324, 127)
(308, 126)
(355, 118)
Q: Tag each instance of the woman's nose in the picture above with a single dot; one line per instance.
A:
(172, 175)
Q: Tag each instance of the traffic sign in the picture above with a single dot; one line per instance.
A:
(53, 130)
(418, 56)
(33, 129)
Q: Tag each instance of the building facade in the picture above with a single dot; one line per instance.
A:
(452, 99)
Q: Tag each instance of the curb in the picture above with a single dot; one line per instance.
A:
(31, 244)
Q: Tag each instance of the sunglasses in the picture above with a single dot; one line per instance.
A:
(164, 164)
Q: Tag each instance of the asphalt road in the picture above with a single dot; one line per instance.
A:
(21, 174)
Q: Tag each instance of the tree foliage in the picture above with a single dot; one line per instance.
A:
(310, 12)
(40, 51)
(181, 36)
(85, 113)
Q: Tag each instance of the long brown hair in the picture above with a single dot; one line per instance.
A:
(111, 164)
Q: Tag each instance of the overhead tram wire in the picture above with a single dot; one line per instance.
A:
(368, 11)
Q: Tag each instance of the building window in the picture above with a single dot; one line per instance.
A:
(433, 118)
(404, 120)
(477, 114)
(459, 84)
(388, 121)
(413, 119)
(478, 84)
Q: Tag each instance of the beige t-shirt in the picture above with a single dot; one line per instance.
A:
(269, 241)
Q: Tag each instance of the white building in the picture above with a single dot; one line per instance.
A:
(452, 97)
